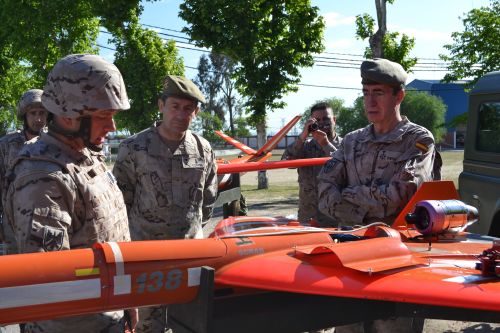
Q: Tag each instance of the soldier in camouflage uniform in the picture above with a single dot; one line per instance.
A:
(377, 169)
(60, 194)
(168, 178)
(33, 115)
(324, 141)
(31, 112)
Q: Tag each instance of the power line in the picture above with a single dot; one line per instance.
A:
(337, 53)
(346, 63)
(321, 86)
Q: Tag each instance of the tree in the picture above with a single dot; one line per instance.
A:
(476, 50)
(426, 110)
(420, 107)
(15, 81)
(209, 80)
(270, 40)
(35, 34)
(206, 124)
(352, 118)
(144, 60)
(384, 44)
(216, 80)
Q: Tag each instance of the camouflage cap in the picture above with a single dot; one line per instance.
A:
(383, 71)
(80, 84)
(30, 98)
(180, 86)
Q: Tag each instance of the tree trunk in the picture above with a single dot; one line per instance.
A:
(261, 140)
(230, 110)
(377, 39)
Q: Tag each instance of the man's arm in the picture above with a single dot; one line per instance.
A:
(124, 171)
(351, 204)
(296, 149)
(41, 206)
(210, 190)
(387, 199)
(331, 181)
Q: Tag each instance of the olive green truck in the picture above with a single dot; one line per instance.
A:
(479, 182)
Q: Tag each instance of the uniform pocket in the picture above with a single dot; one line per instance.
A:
(49, 228)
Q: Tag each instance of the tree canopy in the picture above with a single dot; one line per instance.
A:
(351, 118)
(216, 80)
(476, 50)
(35, 34)
(420, 107)
(270, 41)
(382, 43)
(144, 60)
(426, 110)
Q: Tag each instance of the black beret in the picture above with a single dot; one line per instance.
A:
(383, 71)
(180, 86)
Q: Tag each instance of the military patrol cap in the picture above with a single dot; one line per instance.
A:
(180, 86)
(383, 71)
(29, 99)
(80, 84)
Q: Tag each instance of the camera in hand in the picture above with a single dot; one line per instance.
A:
(313, 127)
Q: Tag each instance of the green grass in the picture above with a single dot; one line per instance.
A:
(275, 192)
(286, 186)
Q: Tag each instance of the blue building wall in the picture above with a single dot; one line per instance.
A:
(452, 94)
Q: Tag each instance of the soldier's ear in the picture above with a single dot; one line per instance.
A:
(400, 96)
(196, 110)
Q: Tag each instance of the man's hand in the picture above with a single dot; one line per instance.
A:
(305, 132)
(132, 318)
(321, 138)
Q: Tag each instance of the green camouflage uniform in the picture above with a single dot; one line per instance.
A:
(168, 194)
(308, 181)
(372, 178)
(10, 145)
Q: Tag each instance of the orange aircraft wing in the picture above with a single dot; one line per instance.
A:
(265, 151)
(241, 146)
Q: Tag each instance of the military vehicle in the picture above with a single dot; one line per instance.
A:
(479, 183)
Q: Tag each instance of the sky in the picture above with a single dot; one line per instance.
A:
(430, 22)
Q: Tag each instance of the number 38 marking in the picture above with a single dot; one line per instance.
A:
(157, 280)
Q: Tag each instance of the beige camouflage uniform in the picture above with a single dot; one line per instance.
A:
(10, 145)
(308, 181)
(60, 198)
(168, 194)
(372, 178)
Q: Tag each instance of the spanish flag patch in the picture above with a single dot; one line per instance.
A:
(423, 148)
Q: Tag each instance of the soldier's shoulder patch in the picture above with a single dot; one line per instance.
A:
(329, 166)
(53, 238)
(422, 147)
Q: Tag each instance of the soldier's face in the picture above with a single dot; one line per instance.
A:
(381, 103)
(325, 120)
(177, 113)
(36, 118)
(102, 123)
